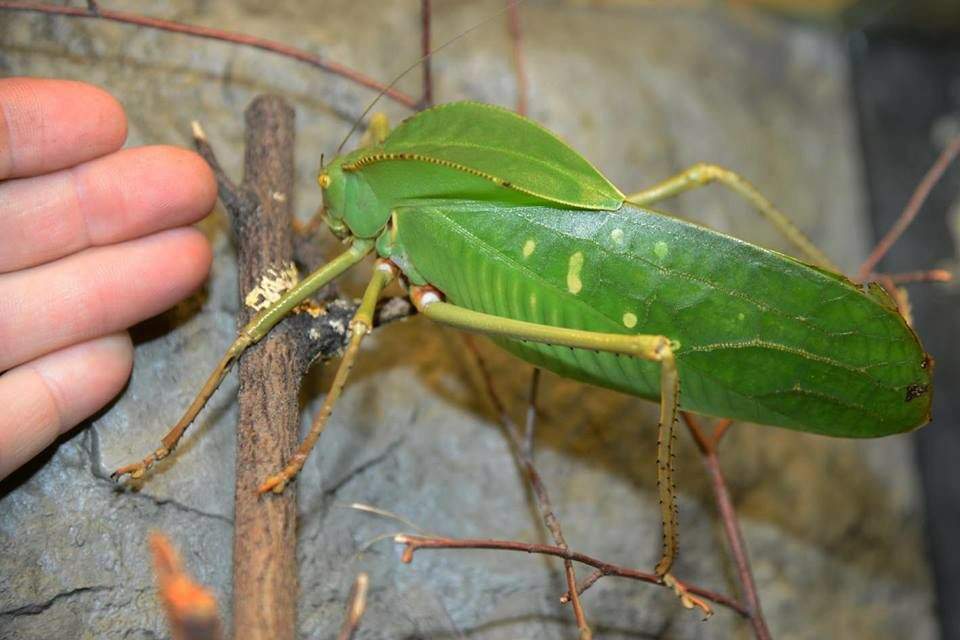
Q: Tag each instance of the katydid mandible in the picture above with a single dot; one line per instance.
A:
(496, 226)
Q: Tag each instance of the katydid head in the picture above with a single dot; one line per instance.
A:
(350, 206)
(333, 186)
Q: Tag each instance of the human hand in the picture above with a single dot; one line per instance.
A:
(91, 242)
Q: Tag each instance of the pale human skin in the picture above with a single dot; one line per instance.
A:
(93, 239)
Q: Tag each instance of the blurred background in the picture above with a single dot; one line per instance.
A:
(833, 108)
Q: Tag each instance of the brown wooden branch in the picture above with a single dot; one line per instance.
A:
(95, 11)
(708, 446)
(413, 544)
(265, 577)
(264, 553)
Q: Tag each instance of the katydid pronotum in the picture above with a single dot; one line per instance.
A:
(496, 226)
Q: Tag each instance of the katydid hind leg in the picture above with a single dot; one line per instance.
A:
(703, 174)
(654, 348)
(251, 333)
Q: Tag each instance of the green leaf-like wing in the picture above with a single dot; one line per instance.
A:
(515, 151)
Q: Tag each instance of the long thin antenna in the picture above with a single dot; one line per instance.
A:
(509, 5)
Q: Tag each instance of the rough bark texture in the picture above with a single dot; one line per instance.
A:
(264, 543)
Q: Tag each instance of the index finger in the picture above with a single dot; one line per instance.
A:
(47, 125)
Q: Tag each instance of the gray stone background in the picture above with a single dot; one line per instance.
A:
(833, 527)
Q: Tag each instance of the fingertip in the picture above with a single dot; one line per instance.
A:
(139, 191)
(197, 255)
(48, 124)
(208, 183)
(109, 118)
(196, 181)
(117, 348)
(194, 257)
(85, 377)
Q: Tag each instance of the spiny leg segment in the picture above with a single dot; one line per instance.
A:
(655, 348)
(255, 330)
(360, 326)
(702, 174)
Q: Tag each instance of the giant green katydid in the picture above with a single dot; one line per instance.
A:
(498, 227)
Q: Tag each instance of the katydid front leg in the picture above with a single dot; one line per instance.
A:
(360, 326)
(254, 331)
(655, 348)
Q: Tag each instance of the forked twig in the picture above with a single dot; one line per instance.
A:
(95, 11)
(415, 543)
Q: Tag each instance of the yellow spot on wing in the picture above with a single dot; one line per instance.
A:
(574, 284)
(528, 248)
(629, 320)
(661, 249)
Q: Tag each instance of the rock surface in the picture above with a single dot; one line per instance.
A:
(833, 527)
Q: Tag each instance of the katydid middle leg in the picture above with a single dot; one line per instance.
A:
(250, 334)
(655, 348)
(702, 174)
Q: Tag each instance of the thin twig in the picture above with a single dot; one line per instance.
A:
(416, 543)
(356, 605)
(94, 11)
(519, 62)
(914, 277)
(233, 197)
(524, 452)
(425, 24)
(708, 449)
(913, 207)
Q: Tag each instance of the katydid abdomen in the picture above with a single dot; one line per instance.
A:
(762, 337)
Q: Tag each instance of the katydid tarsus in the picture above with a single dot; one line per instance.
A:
(497, 227)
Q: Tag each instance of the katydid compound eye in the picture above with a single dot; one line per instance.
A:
(323, 180)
